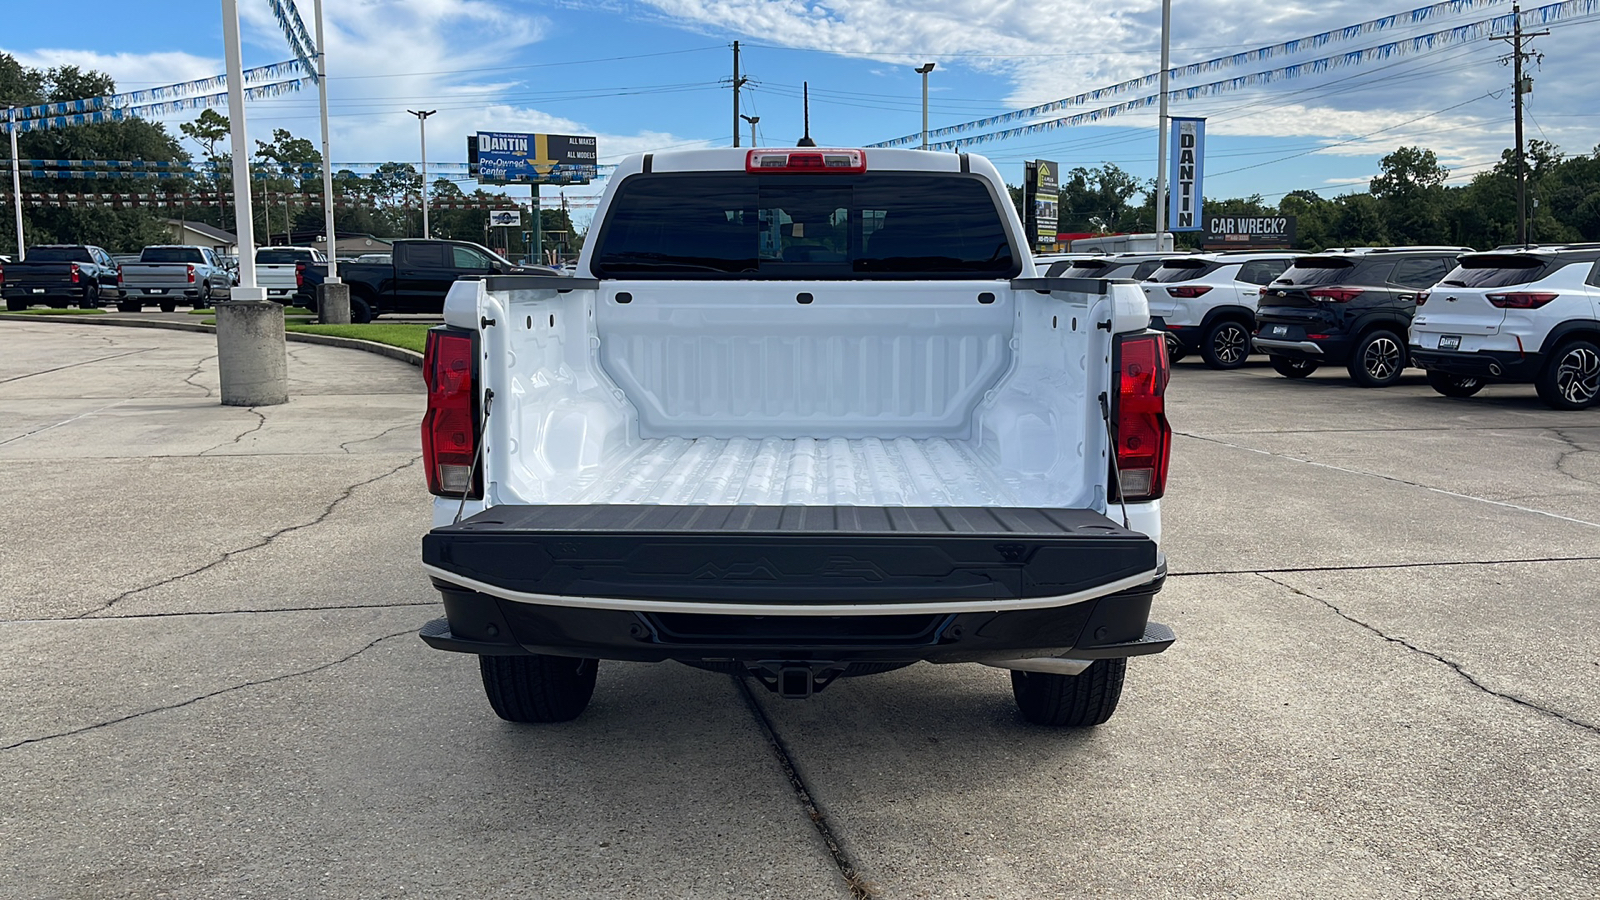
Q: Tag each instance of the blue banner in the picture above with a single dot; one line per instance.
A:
(1185, 183)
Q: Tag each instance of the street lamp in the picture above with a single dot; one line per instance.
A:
(923, 70)
(752, 120)
(422, 122)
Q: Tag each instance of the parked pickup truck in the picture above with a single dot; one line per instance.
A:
(415, 280)
(59, 274)
(801, 414)
(165, 275)
(278, 271)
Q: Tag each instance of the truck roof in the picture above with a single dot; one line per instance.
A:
(732, 159)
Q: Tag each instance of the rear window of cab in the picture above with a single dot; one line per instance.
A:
(1492, 271)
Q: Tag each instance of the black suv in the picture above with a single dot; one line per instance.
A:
(1352, 307)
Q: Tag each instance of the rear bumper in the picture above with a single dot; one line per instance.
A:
(161, 293)
(1187, 336)
(1113, 626)
(44, 291)
(1492, 365)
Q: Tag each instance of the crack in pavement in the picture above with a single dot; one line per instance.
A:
(1576, 449)
(130, 617)
(1376, 566)
(261, 421)
(322, 516)
(217, 693)
(189, 379)
(1452, 664)
(67, 421)
(1395, 479)
(87, 362)
(346, 445)
(859, 888)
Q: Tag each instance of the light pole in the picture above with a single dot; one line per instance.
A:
(327, 165)
(16, 182)
(752, 120)
(422, 121)
(1161, 129)
(923, 70)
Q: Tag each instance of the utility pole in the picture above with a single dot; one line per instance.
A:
(1519, 87)
(923, 70)
(1161, 129)
(422, 122)
(737, 83)
(16, 182)
(327, 164)
(752, 120)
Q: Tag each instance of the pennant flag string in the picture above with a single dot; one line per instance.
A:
(166, 92)
(294, 31)
(118, 114)
(1298, 45)
(1422, 43)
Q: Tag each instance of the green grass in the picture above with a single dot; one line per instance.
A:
(61, 312)
(411, 336)
(287, 311)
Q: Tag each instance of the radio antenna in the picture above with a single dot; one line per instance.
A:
(805, 87)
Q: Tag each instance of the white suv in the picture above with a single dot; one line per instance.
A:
(1207, 302)
(1515, 316)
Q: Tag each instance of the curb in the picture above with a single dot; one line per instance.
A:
(327, 340)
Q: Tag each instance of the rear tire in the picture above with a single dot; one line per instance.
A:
(1175, 349)
(1454, 385)
(1571, 379)
(1379, 359)
(1070, 701)
(16, 305)
(1226, 345)
(538, 688)
(1292, 368)
(91, 298)
(360, 310)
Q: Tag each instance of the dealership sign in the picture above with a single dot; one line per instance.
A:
(506, 218)
(497, 157)
(1248, 231)
(1188, 164)
(1042, 199)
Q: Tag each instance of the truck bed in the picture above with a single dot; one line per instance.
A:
(828, 472)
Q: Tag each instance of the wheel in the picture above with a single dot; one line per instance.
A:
(14, 305)
(1378, 360)
(1226, 345)
(91, 298)
(169, 305)
(1292, 368)
(360, 310)
(205, 299)
(1454, 385)
(130, 306)
(1571, 380)
(538, 688)
(1074, 701)
(1175, 349)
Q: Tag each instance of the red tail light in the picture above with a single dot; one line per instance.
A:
(1188, 290)
(1521, 300)
(449, 427)
(191, 274)
(1335, 294)
(1144, 439)
(1422, 298)
(75, 273)
(299, 274)
(119, 273)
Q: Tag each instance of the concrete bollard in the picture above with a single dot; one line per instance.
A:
(251, 356)
(333, 304)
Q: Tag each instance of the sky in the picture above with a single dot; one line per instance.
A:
(653, 75)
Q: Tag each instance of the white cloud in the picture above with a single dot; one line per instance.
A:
(131, 71)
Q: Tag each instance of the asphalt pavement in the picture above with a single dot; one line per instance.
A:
(1387, 680)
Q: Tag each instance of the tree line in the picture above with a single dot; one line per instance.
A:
(1407, 202)
(383, 203)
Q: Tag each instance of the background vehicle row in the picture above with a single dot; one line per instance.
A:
(58, 275)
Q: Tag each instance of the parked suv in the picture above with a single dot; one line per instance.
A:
(1519, 316)
(1351, 308)
(1206, 303)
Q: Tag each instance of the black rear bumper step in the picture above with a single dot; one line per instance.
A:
(796, 556)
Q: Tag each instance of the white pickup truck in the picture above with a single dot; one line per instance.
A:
(278, 270)
(800, 414)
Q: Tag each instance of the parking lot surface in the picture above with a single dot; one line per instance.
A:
(1387, 680)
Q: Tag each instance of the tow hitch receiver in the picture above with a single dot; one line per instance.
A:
(794, 680)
